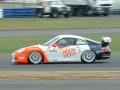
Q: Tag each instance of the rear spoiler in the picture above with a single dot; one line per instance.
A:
(105, 41)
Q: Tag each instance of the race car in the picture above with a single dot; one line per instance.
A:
(64, 48)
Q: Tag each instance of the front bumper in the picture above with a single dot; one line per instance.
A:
(13, 58)
(19, 58)
(14, 61)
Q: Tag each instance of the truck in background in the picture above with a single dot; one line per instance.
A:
(53, 8)
(116, 7)
(56, 8)
(89, 7)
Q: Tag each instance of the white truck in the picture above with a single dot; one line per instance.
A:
(89, 7)
(53, 8)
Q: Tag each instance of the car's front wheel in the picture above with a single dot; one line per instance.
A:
(88, 56)
(35, 58)
(66, 15)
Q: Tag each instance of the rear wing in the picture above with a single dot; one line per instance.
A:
(105, 41)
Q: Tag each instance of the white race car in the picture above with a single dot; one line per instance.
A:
(64, 48)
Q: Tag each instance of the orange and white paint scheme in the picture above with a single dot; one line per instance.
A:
(62, 48)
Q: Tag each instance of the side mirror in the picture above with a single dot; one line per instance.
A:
(54, 45)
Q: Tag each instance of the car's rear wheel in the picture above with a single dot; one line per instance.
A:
(35, 58)
(88, 56)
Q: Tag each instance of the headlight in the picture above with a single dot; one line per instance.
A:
(20, 50)
(13, 53)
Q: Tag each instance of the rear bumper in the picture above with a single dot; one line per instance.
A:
(103, 55)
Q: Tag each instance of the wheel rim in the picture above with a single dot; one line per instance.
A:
(55, 15)
(89, 12)
(35, 57)
(88, 56)
(39, 15)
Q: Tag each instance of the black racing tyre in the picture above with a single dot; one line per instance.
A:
(66, 15)
(35, 58)
(54, 15)
(88, 56)
(105, 14)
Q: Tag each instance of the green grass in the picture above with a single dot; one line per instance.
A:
(60, 23)
(8, 45)
(5, 4)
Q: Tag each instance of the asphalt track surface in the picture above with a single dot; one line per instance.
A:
(81, 84)
(112, 64)
(22, 33)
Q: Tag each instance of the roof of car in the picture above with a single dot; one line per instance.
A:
(72, 36)
(75, 36)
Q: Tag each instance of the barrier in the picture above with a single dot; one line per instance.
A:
(1, 13)
(21, 12)
(28, 12)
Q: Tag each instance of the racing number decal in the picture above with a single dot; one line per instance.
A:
(63, 53)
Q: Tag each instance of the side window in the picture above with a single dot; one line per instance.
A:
(93, 45)
(66, 41)
(62, 42)
(90, 42)
(80, 42)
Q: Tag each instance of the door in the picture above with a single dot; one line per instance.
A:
(64, 50)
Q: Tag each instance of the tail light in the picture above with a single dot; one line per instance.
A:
(106, 54)
(104, 48)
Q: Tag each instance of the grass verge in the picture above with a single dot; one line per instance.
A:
(59, 74)
(48, 23)
(15, 4)
(8, 45)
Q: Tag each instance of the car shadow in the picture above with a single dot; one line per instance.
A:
(58, 63)
(96, 62)
(74, 63)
